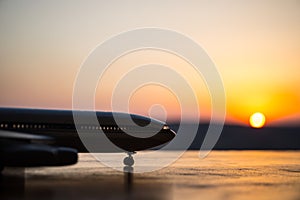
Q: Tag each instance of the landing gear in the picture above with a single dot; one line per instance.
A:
(128, 162)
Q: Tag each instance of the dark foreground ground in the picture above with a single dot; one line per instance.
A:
(222, 175)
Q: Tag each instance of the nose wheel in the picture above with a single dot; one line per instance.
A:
(128, 162)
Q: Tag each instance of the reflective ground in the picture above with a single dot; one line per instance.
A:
(221, 175)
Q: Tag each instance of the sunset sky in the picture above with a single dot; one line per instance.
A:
(255, 45)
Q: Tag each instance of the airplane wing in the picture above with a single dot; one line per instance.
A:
(22, 150)
(23, 136)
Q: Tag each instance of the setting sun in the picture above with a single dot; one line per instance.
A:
(257, 120)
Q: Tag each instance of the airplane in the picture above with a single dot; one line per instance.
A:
(45, 137)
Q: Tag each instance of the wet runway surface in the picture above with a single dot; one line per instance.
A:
(221, 175)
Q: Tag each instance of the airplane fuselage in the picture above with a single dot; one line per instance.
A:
(60, 125)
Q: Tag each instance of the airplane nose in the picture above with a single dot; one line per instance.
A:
(169, 133)
(172, 133)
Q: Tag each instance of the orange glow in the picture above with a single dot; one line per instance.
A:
(257, 120)
(257, 74)
(274, 101)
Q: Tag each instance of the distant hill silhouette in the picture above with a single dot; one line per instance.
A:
(245, 138)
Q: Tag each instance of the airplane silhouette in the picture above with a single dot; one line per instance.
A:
(39, 137)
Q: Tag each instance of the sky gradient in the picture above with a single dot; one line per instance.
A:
(254, 44)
